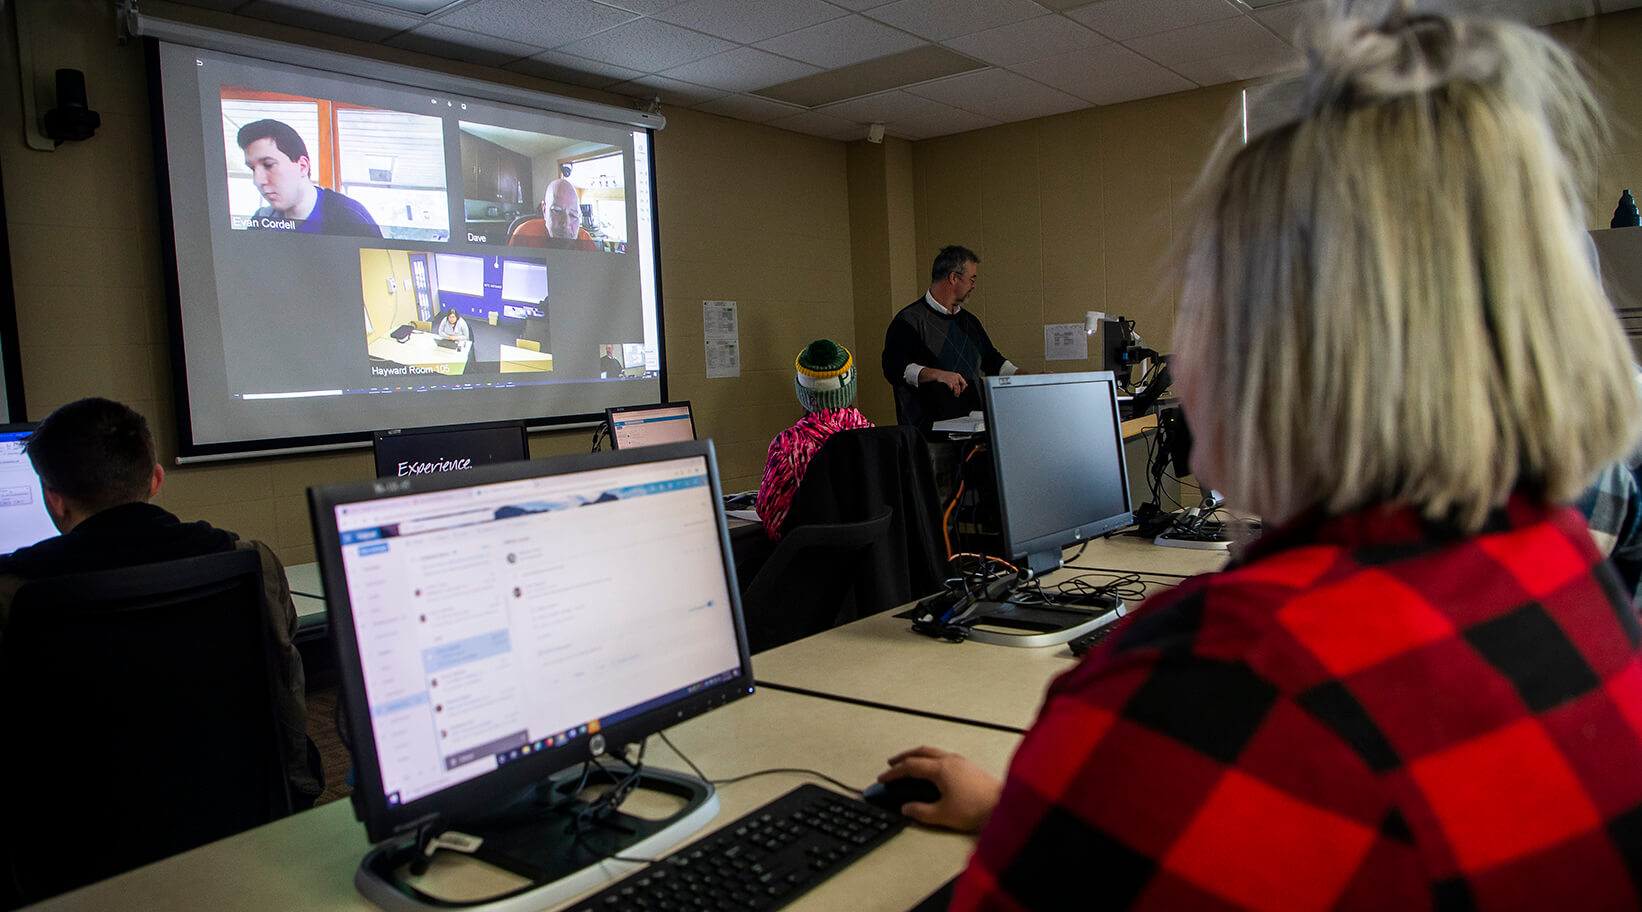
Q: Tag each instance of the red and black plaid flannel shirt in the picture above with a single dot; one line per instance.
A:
(1367, 713)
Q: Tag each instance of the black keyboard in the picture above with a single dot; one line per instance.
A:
(762, 861)
(1090, 640)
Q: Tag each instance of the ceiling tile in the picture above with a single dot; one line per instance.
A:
(648, 46)
(885, 107)
(332, 17)
(749, 107)
(1121, 20)
(1029, 39)
(746, 22)
(842, 42)
(1538, 12)
(1000, 95)
(1108, 74)
(418, 7)
(543, 23)
(1286, 21)
(1244, 63)
(1209, 39)
(643, 7)
(741, 70)
(939, 20)
(943, 124)
(672, 91)
(859, 5)
(213, 4)
(573, 70)
(460, 44)
(880, 74)
(1614, 6)
(823, 125)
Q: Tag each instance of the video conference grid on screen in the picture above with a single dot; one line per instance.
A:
(495, 620)
(23, 516)
(354, 254)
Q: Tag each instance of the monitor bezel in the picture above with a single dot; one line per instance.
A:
(401, 433)
(472, 798)
(611, 413)
(1054, 541)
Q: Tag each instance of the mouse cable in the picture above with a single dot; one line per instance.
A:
(798, 771)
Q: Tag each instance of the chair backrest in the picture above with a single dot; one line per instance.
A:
(807, 584)
(140, 718)
(855, 475)
(528, 344)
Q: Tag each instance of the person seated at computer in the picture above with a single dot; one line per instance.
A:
(935, 352)
(826, 389)
(451, 326)
(562, 225)
(283, 174)
(97, 467)
(1421, 687)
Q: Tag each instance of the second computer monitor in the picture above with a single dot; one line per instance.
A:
(23, 516)
(454, 448)
(644, 425)
(1057, 449)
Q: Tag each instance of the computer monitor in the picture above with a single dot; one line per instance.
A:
(1114, 347)
(451, 448)
(23, 516)
(1057, 452)
(644, 425)
(497, 626)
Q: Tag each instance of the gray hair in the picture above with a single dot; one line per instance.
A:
(1388, 298)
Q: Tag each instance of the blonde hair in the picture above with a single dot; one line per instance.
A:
(1389, 298)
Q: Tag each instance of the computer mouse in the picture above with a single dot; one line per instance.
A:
(896, 792)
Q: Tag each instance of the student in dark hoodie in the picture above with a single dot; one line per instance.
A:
(96, 463)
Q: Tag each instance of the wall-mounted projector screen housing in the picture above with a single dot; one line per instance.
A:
(350, 253)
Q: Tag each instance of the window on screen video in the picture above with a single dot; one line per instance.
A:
(317, 166)
(528, 189)
(454, 314)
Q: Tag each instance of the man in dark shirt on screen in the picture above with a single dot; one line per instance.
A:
(935, 352)
(283, 174)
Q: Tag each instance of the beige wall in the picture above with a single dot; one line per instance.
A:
(736, 223)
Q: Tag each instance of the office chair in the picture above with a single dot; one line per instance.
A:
(806, 586)
(423, 325)
(852, 478)
(140, 717)
(528, 344)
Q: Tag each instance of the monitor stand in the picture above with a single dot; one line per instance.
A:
(1049, 624)
(536, 840)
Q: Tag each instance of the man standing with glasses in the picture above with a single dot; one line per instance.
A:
(562, 221)
(935, 352)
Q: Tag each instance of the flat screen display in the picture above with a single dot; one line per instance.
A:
(425, 451)
(23, 516)
(646, 426)
(351, 254)
(501, 618)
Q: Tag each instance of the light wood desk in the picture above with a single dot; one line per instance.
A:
(879, 660)
(307, 861)
(519, 360)
(420, 349)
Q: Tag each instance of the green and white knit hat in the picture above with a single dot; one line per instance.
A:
(826, 376)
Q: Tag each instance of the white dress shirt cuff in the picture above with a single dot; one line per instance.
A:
(1008, 370)
(910, 375)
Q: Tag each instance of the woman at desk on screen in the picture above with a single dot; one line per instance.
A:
(826, 389)
(1421, 687)
(453, 327)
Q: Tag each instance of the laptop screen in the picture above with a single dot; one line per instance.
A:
(23, 516)
(636, 427)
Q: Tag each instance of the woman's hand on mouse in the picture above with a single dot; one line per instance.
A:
(968, 793)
